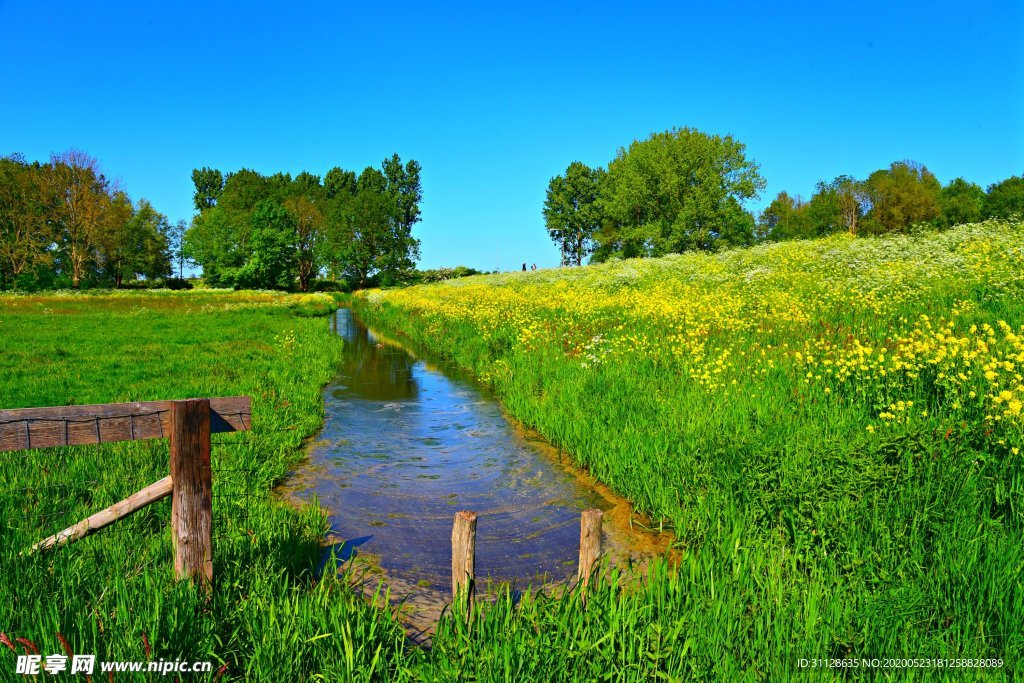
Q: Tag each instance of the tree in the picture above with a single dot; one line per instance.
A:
(339, 183)
(177, 244)
(784, 219)
(215, 243)
(272, 263)
(80, 201)
(134, 241)
(309, 225)
(676, 191)
(370, 220)
(572, 211)
(356, 227)
(219, 239)
(1005, 198)
(25, 233)
(115, 243)
(402, 250)
(900, 196)
(960, 202)
(837, 206)
(362, 226)
(209, 184)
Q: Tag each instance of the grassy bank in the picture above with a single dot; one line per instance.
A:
(112, 593)
(832, 428)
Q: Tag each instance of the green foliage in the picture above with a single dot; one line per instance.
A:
(836, 207)
(442, 274)
(209, 184)
(572, 212)
(677, 191)
(25, 233)
(960, 202)
(904, 194)
(347, 227)
(784, 219)
(136, 242)
(1005, 199)
(64, 224)
(272, 261)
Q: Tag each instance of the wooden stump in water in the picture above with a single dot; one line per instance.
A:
(464, 560)
(590, 546)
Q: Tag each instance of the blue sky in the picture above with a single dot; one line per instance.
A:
(494, 100)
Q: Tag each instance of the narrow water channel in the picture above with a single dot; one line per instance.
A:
(406, 443)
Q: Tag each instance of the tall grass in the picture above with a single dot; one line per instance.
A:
(270, 617)
(832, 429)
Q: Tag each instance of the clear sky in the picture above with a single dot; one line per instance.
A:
(495, 99)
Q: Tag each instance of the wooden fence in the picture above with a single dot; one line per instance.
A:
(188, 425)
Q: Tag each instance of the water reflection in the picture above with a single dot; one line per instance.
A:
(404, 446)
(374, 371)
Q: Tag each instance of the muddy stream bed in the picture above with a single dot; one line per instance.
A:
(408, 442)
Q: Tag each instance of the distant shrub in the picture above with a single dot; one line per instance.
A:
(177, 283)
(442, 274)
(330, 286)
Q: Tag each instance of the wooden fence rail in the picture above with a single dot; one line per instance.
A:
(187, 424)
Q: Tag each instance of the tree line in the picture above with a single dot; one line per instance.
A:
(904, 197)
(63, 223)
(684, 190)
(257, 231)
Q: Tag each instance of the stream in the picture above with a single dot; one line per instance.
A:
(408, 442)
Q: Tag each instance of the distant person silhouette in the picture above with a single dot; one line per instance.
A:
(524, 267)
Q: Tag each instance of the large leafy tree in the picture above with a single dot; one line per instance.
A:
(836, 206)
(370, 221)
(900, 196)
(1005, 199)
(80, 200)
(25, 232)
(960, 202)
(209, 184)
(220, 237)
(272, 262)
(676, 191)
(309, 222)
(362, 227)
(572, 210)
(215, 242)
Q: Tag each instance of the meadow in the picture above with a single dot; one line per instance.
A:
(274, 614)
(112, 594)
(831, 428)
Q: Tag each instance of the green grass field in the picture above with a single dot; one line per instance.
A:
(268, 616)
(832, 428)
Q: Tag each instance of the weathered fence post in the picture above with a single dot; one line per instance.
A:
(590, 546)
(192, 496)
(464, 560)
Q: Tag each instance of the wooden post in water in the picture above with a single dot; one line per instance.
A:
(590, 546)
(464, 561)
(192, 496)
